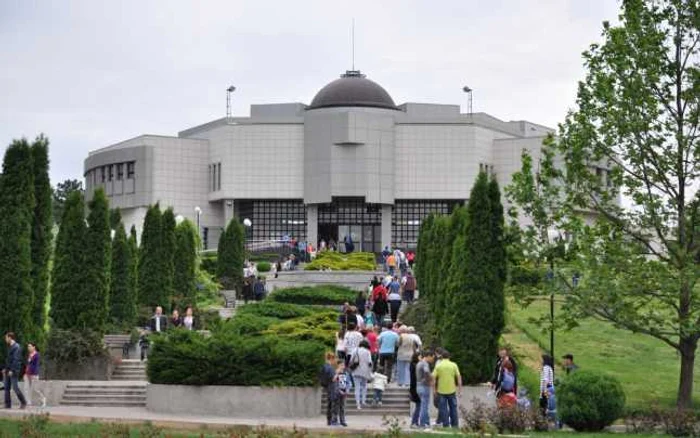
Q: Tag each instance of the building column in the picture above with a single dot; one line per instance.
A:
(386, 225)
(312, 224)
(229, 211)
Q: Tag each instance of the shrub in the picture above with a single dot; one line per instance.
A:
(483, 420)
(187, 358)
(272, 309)
(264, 266)
(70, 347)
(589, 401)
(335, 261)
(320, 295)
(318, 327)
(248, 324)
(209, 264)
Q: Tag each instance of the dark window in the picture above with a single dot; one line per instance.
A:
(130, 169)
(274, 218)
(218, 177)
(408, 215)
(110, 169)
(103, 174)
(211, 189)
(213, 178)
(120, 171)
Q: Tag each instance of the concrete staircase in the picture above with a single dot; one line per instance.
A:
(395, 402)
(130, 370)
(105, 394)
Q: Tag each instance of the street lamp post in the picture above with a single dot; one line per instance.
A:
(469, 91)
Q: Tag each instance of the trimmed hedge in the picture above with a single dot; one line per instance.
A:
(320, 295)
(589, 401)
(335, 261)
(264, 266)
(188, 358)
(273, 309)
(249, 324)
(320, 327)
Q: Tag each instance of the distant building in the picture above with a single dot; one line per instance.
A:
(350, 163)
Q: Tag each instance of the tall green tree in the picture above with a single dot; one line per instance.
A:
(42, 234)
(16, 212)
(68, 275)
(231, 256)
(185, 280)
(122, 292)
(168, 253)
(151, 269)
(60, 196)
(422, 254)
(497, 258)
(470, 311)
(632, 133)
(97, 264)
(134, 265)
(115, 218)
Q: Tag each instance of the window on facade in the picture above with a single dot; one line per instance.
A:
(120, 171)
(213, 178)
(130, 169)
(218, 179)
(110, 170)
(408, 215)
(103, 174)
(274, 218)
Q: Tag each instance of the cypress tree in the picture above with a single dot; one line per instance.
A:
(422, 251)
(498, 259)
(438, 268)
(115, 218)
(97, 264)
(134, 264)
(150, 269)
(122, 294)
(16, 212)
(185, 280)
(468, 330)
(168, 256)
(42, 234)
(231, 256)
(68, 274)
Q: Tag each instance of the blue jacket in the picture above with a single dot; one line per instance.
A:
(14, 358)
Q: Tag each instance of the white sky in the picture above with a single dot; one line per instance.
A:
(92, 73)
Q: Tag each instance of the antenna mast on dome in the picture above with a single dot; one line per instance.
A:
(353, 44)
(229, 91)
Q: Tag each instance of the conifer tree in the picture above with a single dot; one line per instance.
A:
(498, 259)
(150, 269)
(168, 256)
(68, 274)
(16, 212)
(231, 256)
(422, 254)
(115, 218)
(122, 293)
(97, 264)
(42, 235)
(134, 265)
(185, 264)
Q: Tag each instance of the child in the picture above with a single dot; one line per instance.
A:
(379, 382)
(338, 393)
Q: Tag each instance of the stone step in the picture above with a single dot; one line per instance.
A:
(386, 399)
(101, 397)
(105, 393)
(129, 370)
(105, 403)
(102, 386)
(128, 378)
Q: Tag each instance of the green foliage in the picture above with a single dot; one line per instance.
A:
(42, 235)
(72, 346)
(185, 262)
(320, 295)
(207, 292)
(418, 316)
(264, 266)
(68, 274)
(188, 358)
(230, 256)
(335, 261)
(152, 268)
(169, 244)
(209, 263)
(320, 327)
(94, 297)
(122, 291)
(588, 401)
(249, 323)
(16, 212)
(115, 218)
(60, 196)
(271, 309)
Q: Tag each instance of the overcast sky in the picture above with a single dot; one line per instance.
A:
(92, 73)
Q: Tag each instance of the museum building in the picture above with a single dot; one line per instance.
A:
(352, 162)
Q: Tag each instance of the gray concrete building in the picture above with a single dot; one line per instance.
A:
(352, 162)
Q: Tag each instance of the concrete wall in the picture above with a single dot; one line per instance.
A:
(94, 368)
(355, 280)
(52, 389)
(234, 401)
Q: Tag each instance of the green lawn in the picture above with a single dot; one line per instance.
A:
(647, 368)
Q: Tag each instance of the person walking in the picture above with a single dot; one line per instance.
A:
(388, 341)
(339, 391)
(394, 299)
(404, 355)
(503, 355)
(372, 338)
(340, 349)
(13, 366)
(352, 342)
(31, 375)
(505, 386)
(326, 379)
(380, 306)
(409, 288)
(413, 392)
(361, 303)
(424, 381)
(548, 404)
(448, 387)
(361, 368)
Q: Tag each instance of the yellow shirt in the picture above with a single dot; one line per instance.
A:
(446, 373)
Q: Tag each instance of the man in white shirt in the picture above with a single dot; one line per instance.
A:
(159, 323)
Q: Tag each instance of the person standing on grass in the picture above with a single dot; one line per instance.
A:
(388, 341)
(13, 366)
(361, 368)
(569, 365)
(404, 355)
(31, 375)
(326, 379)
(448, 388)
(424, 381)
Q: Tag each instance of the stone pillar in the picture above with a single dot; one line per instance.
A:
(312, 224)
(229, 211)
(386, 225)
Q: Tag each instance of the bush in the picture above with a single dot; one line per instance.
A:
(264, 266)
(483, 420)
(71, 347)
(249, 324)
(589, 401)
(187, 358)
(335, 261)
(272, 309)
(320, 295)
(209, 263)
(318, 327)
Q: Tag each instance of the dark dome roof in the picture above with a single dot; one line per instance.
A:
(352, 89)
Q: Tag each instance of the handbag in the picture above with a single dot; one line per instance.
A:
(354, 362)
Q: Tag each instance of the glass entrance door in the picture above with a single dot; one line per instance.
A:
(355, 232)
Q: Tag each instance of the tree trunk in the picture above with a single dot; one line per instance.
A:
(685, 387)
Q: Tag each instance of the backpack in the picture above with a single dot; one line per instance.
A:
(508, 381)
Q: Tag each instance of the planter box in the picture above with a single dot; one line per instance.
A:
(235, 401)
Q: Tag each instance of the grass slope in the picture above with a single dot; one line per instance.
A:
(647, 368)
